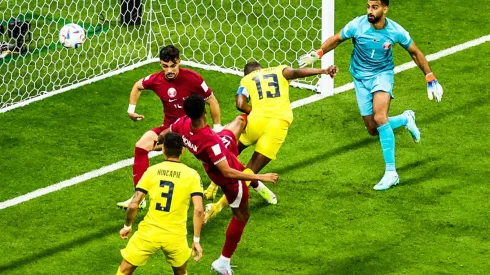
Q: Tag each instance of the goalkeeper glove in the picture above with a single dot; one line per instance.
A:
(434, 89)
(309, 58)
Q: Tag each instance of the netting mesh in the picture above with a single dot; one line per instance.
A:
(221, 33)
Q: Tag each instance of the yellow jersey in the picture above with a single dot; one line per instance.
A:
(268, 93)
(170, 186)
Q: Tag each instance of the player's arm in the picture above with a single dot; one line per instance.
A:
(290, 73)
(434, 89)
(133, 100)
(131, 212)
(198, 221)
(242, 98)
(330, 44)
(215, 112)
(231, 173)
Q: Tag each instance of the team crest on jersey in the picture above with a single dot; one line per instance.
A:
(172, 92)
(387, 45)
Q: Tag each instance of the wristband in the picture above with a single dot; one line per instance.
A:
(131, 108)
(127, 227)
(196, 239)
(217, 126)
(320, 53)
(430, 77)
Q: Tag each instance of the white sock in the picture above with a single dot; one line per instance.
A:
(391, 173)
(223, 260)
(258, 188)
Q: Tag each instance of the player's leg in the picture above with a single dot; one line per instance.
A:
(181, 270)
(177, 254)
(236, 127)
(382, 88)
(126, 268)
(234, 232)
(141, 161)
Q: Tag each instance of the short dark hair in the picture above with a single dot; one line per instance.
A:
(251, 66)
(173, 144)
(169, 53)
(194, 106)
(385, 2)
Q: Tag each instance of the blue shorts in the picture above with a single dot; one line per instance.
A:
(365, 88)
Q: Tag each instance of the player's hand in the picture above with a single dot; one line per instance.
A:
(217, 128)
(270, 177)
(196, 251)
(332, 71)
(135, 116)
(124, 232)
(309, 58)
(434, 89)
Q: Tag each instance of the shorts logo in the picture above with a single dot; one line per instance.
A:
(387, 45)
(172, 92)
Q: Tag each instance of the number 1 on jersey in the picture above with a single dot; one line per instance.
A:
(271, 83)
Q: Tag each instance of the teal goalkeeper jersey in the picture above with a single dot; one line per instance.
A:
(372, 52)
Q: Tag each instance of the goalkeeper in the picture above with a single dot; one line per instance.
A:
(371, 66)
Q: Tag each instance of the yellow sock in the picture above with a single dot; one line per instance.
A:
(223, 202)
(119, 272)
(248, 171)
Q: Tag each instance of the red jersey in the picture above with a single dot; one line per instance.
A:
(208, 147)
(173, 92)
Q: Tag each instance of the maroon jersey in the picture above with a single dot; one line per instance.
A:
(173, 92)
(208, 147)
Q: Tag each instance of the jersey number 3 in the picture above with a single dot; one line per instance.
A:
(167, 195)
(272, 82)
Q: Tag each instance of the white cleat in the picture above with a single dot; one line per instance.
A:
(411, 126)
(220, 268)
(389, 179)
(125, 204)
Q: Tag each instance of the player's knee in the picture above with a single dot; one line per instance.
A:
(373, 131)
(380, 119)
(145, 144)
(180, 271)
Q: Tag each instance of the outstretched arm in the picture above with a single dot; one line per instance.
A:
(434, 89)
(330, 44)
(131, 212)
(290, 73)
(133, 100)
(215, 112)
(231, 173)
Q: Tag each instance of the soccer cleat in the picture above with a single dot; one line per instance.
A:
(211, 210)
(389, 179)
(268, 195)
(411, 126)
(221, 268)
(210, 192)
(125, 204)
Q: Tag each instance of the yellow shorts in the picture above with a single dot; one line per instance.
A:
(139, 250)
(267, 133)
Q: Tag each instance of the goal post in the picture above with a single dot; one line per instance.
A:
(219, 35)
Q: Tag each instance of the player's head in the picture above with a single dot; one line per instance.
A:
(376, 10)
(251, 66)
(194, 106)
(173, 145)
(170, 61)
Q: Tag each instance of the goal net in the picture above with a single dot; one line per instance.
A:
(123, 34)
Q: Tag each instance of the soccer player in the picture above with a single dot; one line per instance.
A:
(172, 85)
(371, 66)
(171, 185)
(268, 121)
(222, 167)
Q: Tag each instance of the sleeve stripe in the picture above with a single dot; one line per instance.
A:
(197, 194)
(141, 190)
(220, 160)
(211, 95)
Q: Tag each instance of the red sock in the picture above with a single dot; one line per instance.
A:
(141, 163)
(233, 236)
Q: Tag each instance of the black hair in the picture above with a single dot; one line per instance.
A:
(251, 66)
(385, 2)
(173, 144)
(194, 106)
(169, 53)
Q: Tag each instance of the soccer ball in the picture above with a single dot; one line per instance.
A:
(72, 36)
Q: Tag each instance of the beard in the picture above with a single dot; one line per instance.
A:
(373, 19)
(170, 76)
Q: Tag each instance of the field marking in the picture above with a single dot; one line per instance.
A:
(298, 103)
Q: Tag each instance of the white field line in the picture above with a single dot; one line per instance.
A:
(127, 162)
